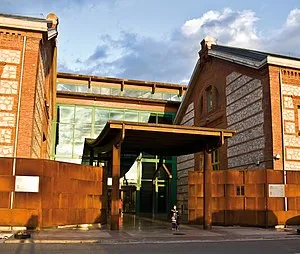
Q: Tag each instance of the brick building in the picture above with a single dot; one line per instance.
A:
(27, 85)
(255, 93)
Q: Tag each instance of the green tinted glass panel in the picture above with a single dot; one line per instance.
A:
(82, 131)
(115, 91)
(65, 133)
(132, 93)
(78, 149)
(65, 114)
(157, 96)
(105, 91)
(101, 116)
(83, 115)
(96, 89)
(64, 149)
(166, 96)
(175, 97)
(144, 117)
(82, 88)
(146, 95)
(132, 116)
(116, 115)
(66, 87)
(97, 130)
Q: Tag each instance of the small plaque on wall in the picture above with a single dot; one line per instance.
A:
(27, 184)
(276, 191)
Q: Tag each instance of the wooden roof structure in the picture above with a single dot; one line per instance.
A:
(156, 139)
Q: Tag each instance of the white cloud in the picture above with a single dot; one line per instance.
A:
(236, 28)
(293, 18)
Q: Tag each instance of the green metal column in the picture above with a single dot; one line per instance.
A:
(137, 200)
(174, 182)
(138, 185)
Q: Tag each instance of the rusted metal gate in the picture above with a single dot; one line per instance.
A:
(241, 197)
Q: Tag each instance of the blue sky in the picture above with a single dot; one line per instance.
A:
(159, 39)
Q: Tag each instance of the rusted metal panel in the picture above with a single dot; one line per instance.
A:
(6, 166)
(293, 177)
(255, 177)
(234, 177)
(7, 183)
(255, 190)
(292, 190)
(68, 194)
(275, 176)
(4, 199)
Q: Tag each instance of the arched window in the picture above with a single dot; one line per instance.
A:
(209, 99)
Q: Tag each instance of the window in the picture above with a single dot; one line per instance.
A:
(209, 99)
(240, 190)
(215, 160)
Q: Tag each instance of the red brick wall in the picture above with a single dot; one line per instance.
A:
(10, 44)
(33, 119)
(213, 73)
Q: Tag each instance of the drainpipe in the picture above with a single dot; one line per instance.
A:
(17, 120)
(282, 138)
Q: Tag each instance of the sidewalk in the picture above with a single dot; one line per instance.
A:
(145, 230)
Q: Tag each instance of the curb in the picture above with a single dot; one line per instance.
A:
(28, 241)
(117, 242)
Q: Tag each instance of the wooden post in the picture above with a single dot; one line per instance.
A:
(104, 210)
(116, 151)
(207, 191)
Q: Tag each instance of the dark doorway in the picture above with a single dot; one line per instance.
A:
(162, 199)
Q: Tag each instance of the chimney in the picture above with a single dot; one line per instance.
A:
(206, 44)
(52, 17)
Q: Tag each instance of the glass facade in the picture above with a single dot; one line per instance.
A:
(114, 91)
(75, 123)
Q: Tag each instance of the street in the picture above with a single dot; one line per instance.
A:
(254, 246)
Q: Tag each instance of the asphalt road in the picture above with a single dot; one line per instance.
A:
(245, 247)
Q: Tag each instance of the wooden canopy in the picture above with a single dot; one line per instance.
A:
(156, 139)
(120, 142)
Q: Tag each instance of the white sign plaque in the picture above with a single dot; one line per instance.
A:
(276, 191)
(27, 184)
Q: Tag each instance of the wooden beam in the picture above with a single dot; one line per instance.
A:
(116, 152)
(207, 223)
(167, 171)
(166, 128)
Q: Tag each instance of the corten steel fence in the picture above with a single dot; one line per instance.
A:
(241, 197)
(68, 194)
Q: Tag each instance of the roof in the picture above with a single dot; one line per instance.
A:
(251, 58)
(24, 18)
(156, 139)
(242, 56)
(48, 25)
(62, 75)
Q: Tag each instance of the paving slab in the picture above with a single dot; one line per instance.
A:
(136, 229)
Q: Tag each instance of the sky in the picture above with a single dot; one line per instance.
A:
(159, 40)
